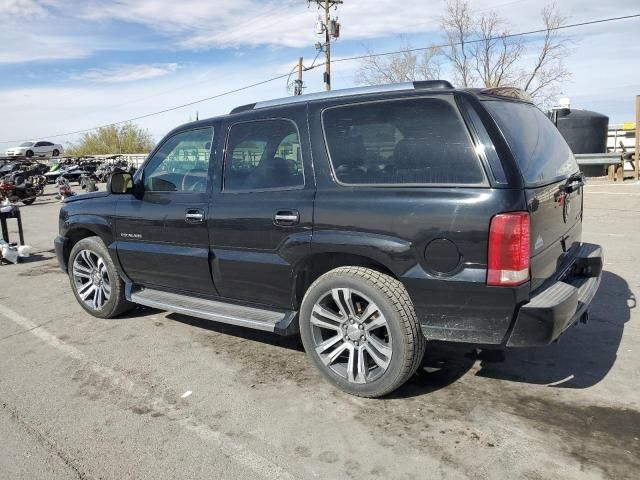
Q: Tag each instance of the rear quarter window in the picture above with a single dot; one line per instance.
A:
(405, 141)
(539, 149)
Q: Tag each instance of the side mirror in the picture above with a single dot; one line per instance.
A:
(119, 183)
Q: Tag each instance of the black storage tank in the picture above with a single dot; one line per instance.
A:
(585, 131)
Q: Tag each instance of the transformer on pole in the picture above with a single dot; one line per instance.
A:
(330, 28)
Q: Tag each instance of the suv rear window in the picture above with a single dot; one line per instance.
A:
(541, 152)
(421, 141)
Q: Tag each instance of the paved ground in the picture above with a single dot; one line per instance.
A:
(87, 398)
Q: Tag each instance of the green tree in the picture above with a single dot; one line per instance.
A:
(113, 139)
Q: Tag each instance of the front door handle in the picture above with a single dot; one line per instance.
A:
(286, 218)
(194, 215)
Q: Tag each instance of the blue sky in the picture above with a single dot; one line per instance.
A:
(67, 65)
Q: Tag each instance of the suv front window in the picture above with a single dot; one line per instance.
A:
(420, 141)
(181, 164)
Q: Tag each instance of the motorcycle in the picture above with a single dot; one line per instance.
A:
(64, 189)
(17, 192)
(38, 182)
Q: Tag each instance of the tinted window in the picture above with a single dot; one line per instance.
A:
(263, 155)
(181, 164)
(403, 141)
(538, 147)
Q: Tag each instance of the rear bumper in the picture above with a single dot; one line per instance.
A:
(60, 244)
(561, 303)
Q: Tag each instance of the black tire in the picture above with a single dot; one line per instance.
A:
(55, 152)
(391, 298)
(117, 303)
(29, 153)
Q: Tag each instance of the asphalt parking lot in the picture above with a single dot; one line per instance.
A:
(158, 395)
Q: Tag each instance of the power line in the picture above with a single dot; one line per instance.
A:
(170, 109)
(520, 34)
(345, 59)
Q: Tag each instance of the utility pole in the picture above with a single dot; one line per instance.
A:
(331, 28)
(297, 89)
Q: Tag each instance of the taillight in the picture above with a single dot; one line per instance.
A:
(508, 256)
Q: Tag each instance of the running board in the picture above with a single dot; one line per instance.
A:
(281, 323)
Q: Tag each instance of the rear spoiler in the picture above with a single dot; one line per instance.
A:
(508, 92)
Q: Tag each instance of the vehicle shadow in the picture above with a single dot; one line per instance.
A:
(291, 343)
(584, 354)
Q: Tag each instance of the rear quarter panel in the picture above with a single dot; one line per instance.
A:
(394, 225)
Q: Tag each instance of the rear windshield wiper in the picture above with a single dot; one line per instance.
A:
(573, 182)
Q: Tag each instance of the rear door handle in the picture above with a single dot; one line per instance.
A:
(194, 215)
(286, 218)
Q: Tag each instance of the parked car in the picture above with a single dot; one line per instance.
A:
(39, 148)
(368, 221)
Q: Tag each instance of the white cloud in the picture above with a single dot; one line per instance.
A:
(126, 73)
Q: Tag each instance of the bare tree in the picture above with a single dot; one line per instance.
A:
(458, 25)
(495, 54)
(481, 51)
(406, 66)
(543, 79)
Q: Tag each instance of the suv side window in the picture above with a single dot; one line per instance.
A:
(263, 155)
(181, 164)
(404, 141)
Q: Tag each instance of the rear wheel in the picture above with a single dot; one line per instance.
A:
(95, 280)
(359, 328)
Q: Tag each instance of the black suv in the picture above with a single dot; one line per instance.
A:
(367, 220)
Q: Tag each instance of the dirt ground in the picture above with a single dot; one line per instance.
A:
(87, 398)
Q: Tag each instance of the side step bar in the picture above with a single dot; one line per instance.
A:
(281, 323)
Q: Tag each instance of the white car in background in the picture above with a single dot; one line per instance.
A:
(40, 148)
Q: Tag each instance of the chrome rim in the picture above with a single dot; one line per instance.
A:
(351, 335)
(91, 279)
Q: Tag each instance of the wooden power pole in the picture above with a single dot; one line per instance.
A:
(327, 50)
(331, 29)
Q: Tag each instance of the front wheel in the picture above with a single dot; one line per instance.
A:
(359, 328)
(29, 153)
(55, 153)
(95, 280)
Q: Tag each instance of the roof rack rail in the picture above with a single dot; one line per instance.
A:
(391, 87)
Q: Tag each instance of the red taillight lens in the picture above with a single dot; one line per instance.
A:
(508, 259)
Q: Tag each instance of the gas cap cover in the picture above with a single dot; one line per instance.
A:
(442, 255)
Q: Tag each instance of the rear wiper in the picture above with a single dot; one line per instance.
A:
(573, 182)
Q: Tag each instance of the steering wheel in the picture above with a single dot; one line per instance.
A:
(201, 180)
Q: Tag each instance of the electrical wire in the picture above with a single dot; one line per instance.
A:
(344, 59)
(170, 109)
(467, 42)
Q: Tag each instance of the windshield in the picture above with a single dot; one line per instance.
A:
(26, 144)
(538, 147)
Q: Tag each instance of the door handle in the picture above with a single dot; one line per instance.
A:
(286, 218)
(194, 215)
